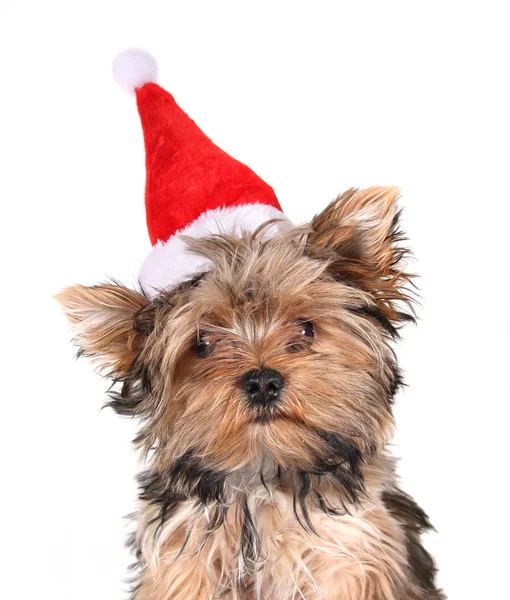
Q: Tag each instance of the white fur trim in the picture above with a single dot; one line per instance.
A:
(133, 68)
(170, 263)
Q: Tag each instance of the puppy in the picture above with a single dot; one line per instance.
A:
(264, 390)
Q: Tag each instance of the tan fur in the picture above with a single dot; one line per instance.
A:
(361, 555)
(102, 317)
(359, 231)
(343, 273)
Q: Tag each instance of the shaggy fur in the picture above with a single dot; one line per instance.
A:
(297, 498)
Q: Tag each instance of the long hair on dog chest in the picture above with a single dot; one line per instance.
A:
(335, 483)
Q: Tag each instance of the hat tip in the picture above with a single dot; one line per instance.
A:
(133, 68)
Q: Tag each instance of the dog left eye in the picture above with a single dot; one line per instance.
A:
(202, 346)
(306, 328)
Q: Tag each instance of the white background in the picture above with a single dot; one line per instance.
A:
(315, 97)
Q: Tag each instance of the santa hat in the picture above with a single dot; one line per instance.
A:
(193, 188)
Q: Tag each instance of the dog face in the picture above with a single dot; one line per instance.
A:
(277, 358)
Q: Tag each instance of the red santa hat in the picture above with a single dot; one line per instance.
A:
(193, 188)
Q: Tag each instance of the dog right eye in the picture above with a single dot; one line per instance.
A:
(202, 346)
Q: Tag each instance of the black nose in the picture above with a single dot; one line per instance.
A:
(262, 386)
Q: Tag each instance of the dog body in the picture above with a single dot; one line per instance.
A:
(371, 552)
(264, 388)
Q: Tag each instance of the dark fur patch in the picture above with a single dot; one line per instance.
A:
(342, 464)
(187, 478)
(375, 313)
(134, 393)
(301, 494)
(415, 522)
(250, 546)
(205, 484)
(344, 454)
(396, 383)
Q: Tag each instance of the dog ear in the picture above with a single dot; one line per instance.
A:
(105, 319)
(359, 234)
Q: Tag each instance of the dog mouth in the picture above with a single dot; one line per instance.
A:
(269, 414)
(274, 415)
(269, 417)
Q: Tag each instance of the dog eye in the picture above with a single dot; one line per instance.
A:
(306, 328)
(202, 346)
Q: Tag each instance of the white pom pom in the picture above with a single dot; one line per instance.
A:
(133, 68)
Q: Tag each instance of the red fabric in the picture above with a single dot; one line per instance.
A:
(186, 173)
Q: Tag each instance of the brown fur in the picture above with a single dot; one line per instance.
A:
(293, 501)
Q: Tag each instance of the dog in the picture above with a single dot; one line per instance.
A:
(264, 389)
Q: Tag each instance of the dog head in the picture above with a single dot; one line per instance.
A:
(279, 355)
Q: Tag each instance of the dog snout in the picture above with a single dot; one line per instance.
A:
(263, 386)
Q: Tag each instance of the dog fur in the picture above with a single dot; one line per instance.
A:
(294, 500)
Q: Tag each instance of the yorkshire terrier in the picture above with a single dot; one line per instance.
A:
(264, 389)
